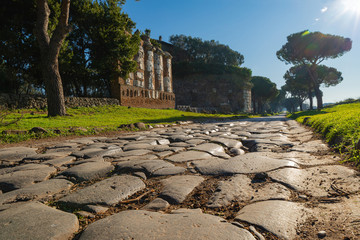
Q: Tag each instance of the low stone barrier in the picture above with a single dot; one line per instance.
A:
(15, 101)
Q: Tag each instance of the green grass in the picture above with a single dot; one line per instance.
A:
(339, 124)
(107, 118)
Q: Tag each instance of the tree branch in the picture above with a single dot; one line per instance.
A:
(62, 29)
(43, 13)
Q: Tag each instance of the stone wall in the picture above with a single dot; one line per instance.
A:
(15, 101)
(212, 91)
(151, 85)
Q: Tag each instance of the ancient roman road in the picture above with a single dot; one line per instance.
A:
(264, 178)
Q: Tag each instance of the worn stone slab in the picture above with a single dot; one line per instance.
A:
(37, 221)
(168, 171)
(230, 143)
(147, 166)
(242, 164)
(58, 162)
(195, 141)
(97, 152)
(179, 138)
(106, 192)
(82, 140)
(135, 157)
(212, 148)
(242, 188)
(303, 158)
(46, 156)
(89, 171)
(14, 155)
(176, 188)
(188, 156)
(319, 181)
(25, 175)
(139, 152)
(137, 146)
(180, 224)
(130, 137)
(339, 219)
(311, 147)
(36, 191)
(158, 204)
(278, 217)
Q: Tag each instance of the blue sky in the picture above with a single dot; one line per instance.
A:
(257, 29)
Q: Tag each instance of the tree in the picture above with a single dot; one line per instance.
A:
(100, 41)
(310, 49)
(262, 92)
(49, 50)
(207, 51)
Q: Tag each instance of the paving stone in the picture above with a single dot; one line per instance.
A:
(37, 221)
(135, 157)
(14, 155)
(278, 217)
(195, 141)
(137, 146)
(36, 191)
(46, 156)
(96, 209)
(163, 141)
(180, 144)
(180, 224)
(23, 176)
(96, 152)
(164, 154)
(158, 204)
(106, 192)
(130, 137)
(188, 156)
(161, 148)
(230, 143)
(311, 147)
(176, 188)
(179, 138)
(168, 171)
(237, 151)
(212, 148)
(243, 164)
(319, 181)
(148, 166)
(67, 145)
(58, 162)
(131, 153)
(82, 140)
(89, 171)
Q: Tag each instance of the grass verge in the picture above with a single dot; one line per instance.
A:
(339, 125)
(91, 120)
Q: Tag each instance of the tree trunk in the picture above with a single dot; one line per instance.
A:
(318, 94)
(311, 100)
(49, 49)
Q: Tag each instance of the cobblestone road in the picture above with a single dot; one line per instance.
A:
(264, 178)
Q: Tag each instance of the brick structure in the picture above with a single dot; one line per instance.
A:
(151, 85)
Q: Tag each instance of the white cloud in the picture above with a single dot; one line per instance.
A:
(317, 19)
(324, 9)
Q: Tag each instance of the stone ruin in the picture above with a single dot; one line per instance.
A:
(151, 85)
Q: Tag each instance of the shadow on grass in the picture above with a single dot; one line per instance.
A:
(306, 113)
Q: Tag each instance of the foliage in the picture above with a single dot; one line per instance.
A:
(310, 49)
(105, 118)
(100, 40)
(262, 92)
(211, 52)
(340, 125)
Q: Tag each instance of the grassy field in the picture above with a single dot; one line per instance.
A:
(339, 124)
(91, 120)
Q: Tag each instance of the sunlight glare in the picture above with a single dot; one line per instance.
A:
(351, 6)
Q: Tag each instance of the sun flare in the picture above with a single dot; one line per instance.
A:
(351, 6)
